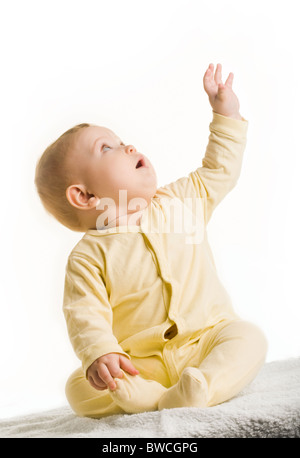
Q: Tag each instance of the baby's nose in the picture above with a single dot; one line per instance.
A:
(129, 149)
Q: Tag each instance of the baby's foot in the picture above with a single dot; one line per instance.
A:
(190, 391)
(135, 394)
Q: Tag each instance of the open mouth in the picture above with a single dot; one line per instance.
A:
(140, 163)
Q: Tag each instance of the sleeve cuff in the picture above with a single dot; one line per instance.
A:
(229, 126)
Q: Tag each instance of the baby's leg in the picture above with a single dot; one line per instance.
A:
(134, 394)
(86, 401)
(230, 356)
(190, 391)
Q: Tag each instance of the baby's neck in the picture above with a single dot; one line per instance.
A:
(125, 219)
(132, 219)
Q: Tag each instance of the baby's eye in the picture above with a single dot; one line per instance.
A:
(105, 146)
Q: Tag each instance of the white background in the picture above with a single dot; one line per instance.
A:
(136, 67)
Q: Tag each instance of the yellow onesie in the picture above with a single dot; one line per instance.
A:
(152, 293)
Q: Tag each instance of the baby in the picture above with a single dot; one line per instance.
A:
(146, 312)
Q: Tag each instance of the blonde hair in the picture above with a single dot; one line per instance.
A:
(52, 179)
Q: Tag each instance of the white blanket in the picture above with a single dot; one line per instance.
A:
(268, 407)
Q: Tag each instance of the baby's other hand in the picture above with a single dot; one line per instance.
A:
(102, 372)
(221, 96)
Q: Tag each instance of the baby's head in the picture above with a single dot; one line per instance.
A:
(86, 164)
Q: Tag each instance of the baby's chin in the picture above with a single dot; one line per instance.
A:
(149, 194)
(142, 200)
(147, 188)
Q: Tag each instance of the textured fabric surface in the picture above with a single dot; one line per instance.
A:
(268, 407)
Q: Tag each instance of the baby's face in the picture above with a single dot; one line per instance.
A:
(105, 165)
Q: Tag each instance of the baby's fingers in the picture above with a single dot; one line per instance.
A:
(218, 74)
(95, 383)
(208, 75)
(127, 365)
(106, 377)
(209, 72)
(229, 80)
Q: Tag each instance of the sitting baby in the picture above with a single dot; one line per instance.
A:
(146, 313)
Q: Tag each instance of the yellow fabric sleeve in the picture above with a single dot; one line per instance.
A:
(220, 169)
(88, 312)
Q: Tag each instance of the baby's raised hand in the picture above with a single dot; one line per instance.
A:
(102, 372)
(221, 96)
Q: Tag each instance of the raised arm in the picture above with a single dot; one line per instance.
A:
(222, 161)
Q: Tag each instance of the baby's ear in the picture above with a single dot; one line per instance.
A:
(79, 197)
(93, 201)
